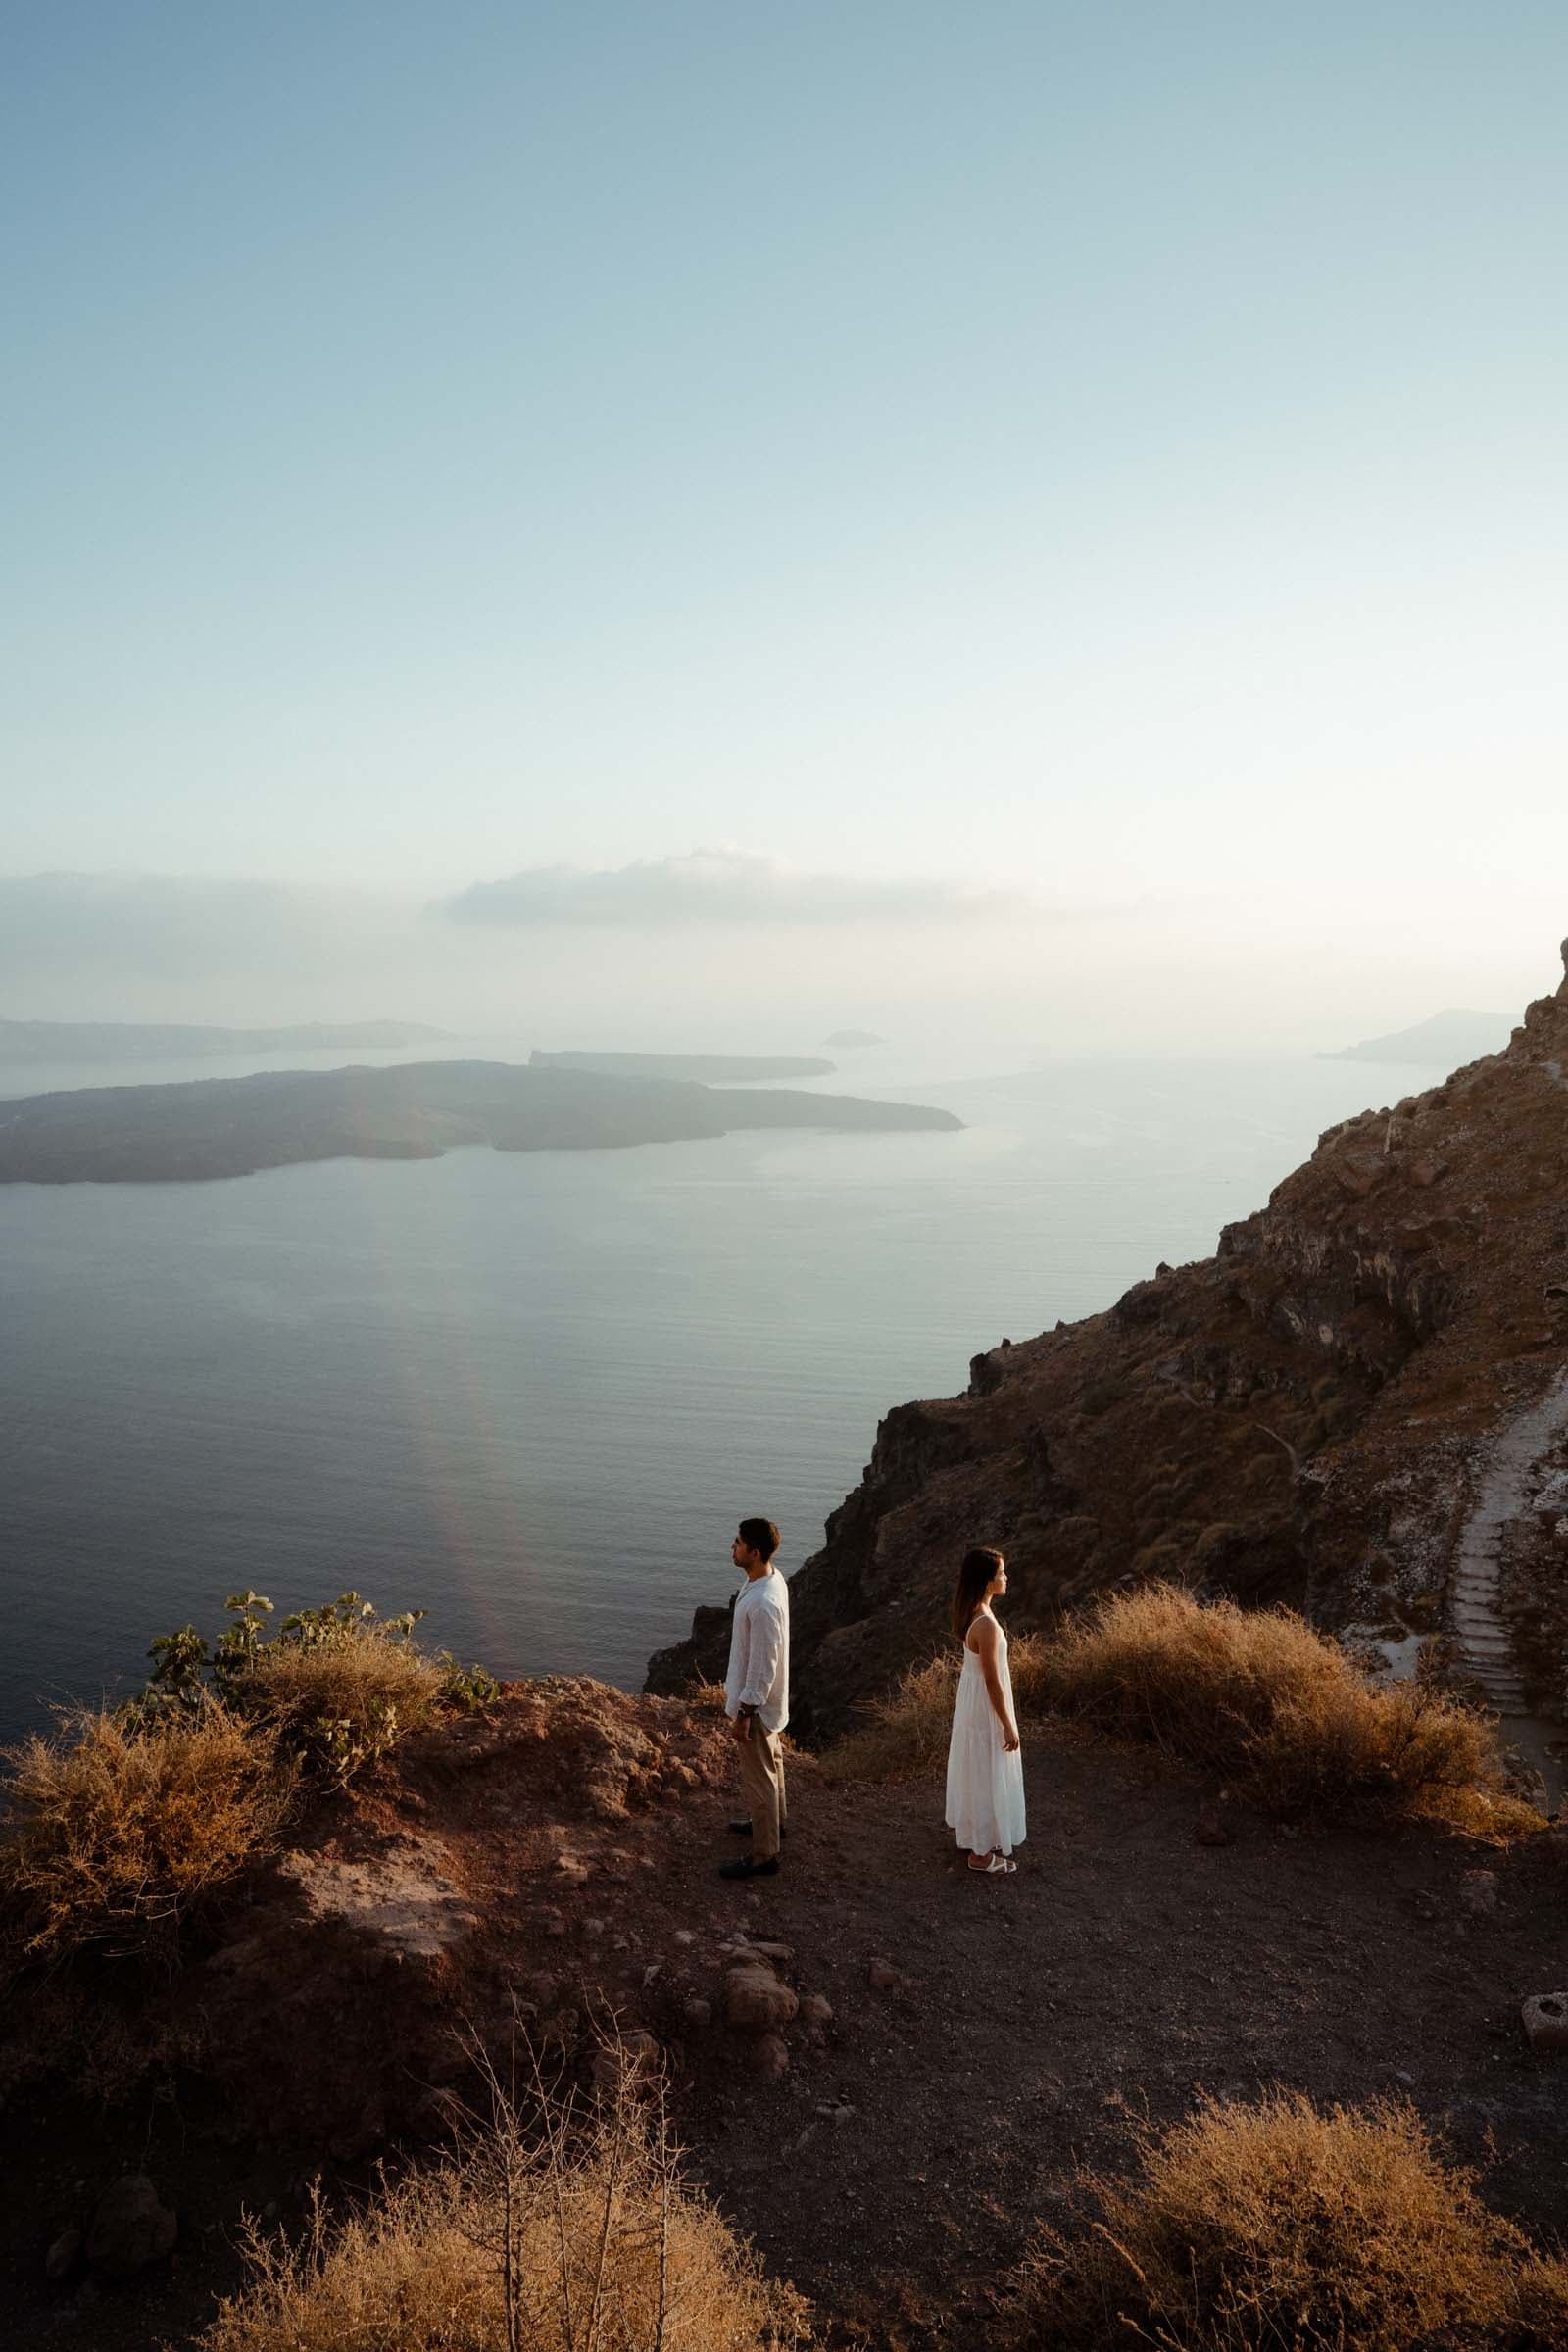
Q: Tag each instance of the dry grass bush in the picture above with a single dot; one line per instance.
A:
(706, 1698)
(1278, 1710)
(580, 2237)
(907, 1732)
(345, 1698)
(116, 1831)
(1276, 2228)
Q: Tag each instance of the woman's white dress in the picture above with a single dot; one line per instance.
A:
(985, 1784)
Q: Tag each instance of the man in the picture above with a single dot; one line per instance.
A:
(757, 1695)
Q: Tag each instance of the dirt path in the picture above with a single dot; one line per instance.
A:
(1482, 1637)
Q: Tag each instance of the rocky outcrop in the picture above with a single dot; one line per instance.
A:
(1308, 1415)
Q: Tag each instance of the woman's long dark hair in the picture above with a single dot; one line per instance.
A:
(980, 1565)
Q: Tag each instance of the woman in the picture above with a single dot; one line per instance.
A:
(985, 1770)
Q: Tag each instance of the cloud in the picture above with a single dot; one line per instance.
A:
(709, 886)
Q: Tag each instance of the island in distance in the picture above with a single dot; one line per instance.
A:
(209, 1127)
(174, 1041)
(1449, 1039)
(842, 1040)
(707, 1070)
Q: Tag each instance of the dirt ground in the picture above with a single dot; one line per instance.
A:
(895, 2169)
(1123, 1969)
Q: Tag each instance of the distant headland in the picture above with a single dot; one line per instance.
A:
(706, 1069)
(844, 1040)
(209, 1127)
(1451, 1038)
(175, 1041)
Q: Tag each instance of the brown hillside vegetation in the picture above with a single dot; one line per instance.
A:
(1278, 1710)
(116, 1833)
(1308, 1415)
(1270, 2226)
(578, 2236)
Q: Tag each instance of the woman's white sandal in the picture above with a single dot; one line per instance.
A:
(996, 1866)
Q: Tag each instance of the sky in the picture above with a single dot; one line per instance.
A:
(1058, 504)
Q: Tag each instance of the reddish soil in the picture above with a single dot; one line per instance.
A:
(1033, 2023)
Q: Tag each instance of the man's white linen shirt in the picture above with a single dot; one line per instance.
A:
(759, 1651)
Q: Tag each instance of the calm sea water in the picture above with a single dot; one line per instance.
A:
(532, 1394)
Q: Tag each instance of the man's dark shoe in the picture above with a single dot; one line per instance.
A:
(748, 1867)
(743, 1829)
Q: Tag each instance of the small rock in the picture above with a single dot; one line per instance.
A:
(62, 2256)
(756, 2001)
(817, 2009)
(1477, 1893)
(1544, 2017)
(882, 1976)
(553, 1923)
(776, 1951)
(698, 2012)
(1427, 1172)
(593, 1926)
(1209, 1829)
(768, 2056)
(130, 2229)
(843, 2116)
(1356, 1177)
(685, 1935)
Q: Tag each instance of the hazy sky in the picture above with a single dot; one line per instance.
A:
(1085, 487)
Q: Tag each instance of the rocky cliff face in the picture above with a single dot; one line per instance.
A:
(1358, 1404)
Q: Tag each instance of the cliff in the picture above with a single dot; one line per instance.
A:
(1357, 1405)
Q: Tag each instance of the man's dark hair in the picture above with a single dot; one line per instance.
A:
(758, 1535)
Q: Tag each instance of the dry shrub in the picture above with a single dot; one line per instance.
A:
(907, 1732)
(1277, 2229)
(347, 1695)
(116, 1830)
(704, 1696)
(1280, 1711)
(575, 2239)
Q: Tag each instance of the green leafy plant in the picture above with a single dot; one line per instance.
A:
(336, 1686)
(466, 1689)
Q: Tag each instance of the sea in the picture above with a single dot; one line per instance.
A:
(532, 1394)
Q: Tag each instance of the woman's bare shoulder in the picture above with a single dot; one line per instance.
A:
(981, 1634)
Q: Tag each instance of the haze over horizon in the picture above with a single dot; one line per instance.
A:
(697, 527)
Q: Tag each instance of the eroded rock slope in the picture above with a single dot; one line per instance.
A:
(1316, 1413)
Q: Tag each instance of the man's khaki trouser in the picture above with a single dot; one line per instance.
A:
(763, 1781)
